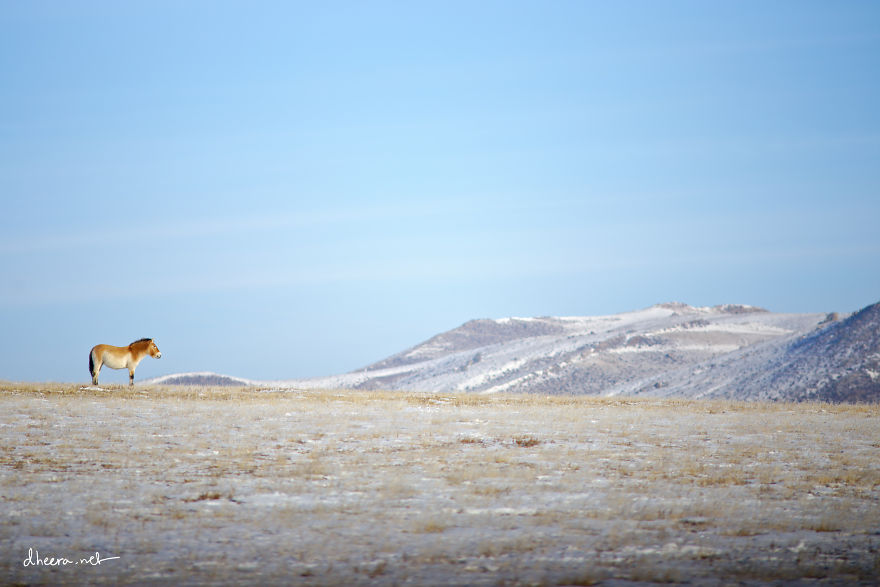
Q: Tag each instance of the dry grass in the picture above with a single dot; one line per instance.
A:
(224, 486)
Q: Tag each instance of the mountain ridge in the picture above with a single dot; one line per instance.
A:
(671, 349)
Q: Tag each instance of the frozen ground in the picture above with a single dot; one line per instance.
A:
(231, 486)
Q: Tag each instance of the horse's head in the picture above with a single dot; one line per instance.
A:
(154, 350)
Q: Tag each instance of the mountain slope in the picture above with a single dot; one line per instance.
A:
(840, 362)
(626, 353)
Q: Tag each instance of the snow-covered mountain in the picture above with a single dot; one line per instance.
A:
(674, 350)
(608, 355)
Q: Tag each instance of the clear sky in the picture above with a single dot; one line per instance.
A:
(283, 189)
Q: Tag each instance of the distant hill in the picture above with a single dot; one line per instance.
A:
(212, 379)
(730, 351)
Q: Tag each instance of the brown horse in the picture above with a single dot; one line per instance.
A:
(121, 357)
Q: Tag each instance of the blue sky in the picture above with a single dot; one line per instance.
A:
(281, 189)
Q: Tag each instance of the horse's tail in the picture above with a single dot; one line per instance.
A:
(91, 364)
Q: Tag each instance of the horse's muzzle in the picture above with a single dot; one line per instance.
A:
(158, 355)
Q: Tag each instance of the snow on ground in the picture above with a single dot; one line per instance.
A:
(217, 486)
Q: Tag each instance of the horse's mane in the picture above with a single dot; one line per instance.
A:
(142, 340)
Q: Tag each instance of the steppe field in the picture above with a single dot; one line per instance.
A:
(220, 486)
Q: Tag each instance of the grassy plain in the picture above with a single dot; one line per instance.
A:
(205, 486)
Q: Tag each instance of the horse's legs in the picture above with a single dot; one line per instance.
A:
(97, 370)
(131, 377)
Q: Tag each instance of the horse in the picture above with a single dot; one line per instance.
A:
(121, 357)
